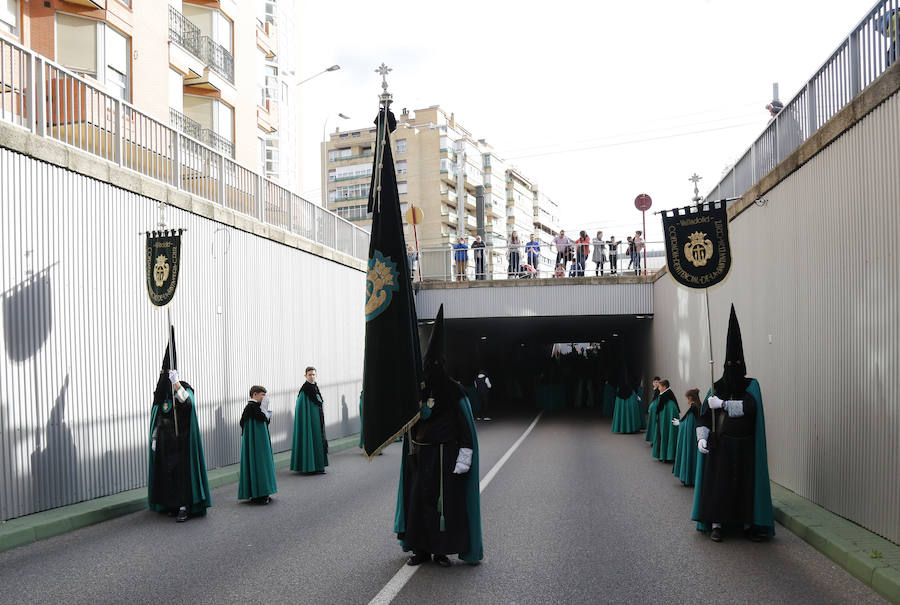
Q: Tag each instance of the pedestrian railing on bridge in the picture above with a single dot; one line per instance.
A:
(870, 48)
(53, 102)
(440, 264)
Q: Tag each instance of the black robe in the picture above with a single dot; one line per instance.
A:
(315, 395)
(170, 483)
(436, 442)
(728, 485)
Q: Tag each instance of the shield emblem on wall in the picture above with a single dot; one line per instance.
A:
(698, 253)
(163, 257)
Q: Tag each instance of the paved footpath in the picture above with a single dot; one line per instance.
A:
(575, 515)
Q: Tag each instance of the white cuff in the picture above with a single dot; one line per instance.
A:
(702, 433)
(181, 394)
(734, 407)
(465, 456)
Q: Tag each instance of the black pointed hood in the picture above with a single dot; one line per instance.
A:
(170, 363)
(733, 380)
(438, 383)
(436, 353)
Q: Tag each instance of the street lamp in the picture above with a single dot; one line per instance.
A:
(325, 155)
(332, 68)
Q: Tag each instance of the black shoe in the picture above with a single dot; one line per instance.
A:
(442, 560)
(418, 558)
(716, 534)
(182, 516)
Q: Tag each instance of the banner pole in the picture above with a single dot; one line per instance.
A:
(172, 363)
(711, 379)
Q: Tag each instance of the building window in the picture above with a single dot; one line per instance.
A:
(94, 49)
(337, 154)
(349, 192)
(401, 146)
(487, 162)
(401, 187)
(9, 16)
(352, 212)
(400, 165)
(272, 157)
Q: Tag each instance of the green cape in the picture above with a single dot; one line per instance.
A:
(650, 435)
(551, 396)
(762, 491)
(201, 499)
(307, 450)
(257, 478)
(664, 446)
(627, 414)
(473, 494)
(685, 466)
(474, 399)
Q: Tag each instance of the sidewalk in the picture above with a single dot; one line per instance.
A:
(871, 558)
(49, 523)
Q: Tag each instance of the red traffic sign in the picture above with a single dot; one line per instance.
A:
(643, 202)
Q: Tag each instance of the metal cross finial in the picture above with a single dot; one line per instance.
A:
(695, 178)
(383, 70)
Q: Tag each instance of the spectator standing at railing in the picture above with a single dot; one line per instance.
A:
(888, 27)
(582, 248)
(461, 257)
(478, 253)
(638, 242)
(513, 252)
(599, 253)
(613, 255)
(412, 258)
(562, 244)
(629, 250)
(533, 253)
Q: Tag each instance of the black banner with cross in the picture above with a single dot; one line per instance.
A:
(698, 253)
(163, 258)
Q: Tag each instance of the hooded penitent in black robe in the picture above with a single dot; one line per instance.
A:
(176, 466)
(438, 511)
(733, 479)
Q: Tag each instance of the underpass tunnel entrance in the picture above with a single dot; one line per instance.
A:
(515, 352)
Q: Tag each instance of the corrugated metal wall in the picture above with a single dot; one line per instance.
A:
(537, 300)
(816, 286)
(82, 344)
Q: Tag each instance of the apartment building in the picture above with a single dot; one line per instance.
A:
(463, 188)
(189, 64)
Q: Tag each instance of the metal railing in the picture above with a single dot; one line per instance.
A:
(870, 48)
(217, 141)
(183, 32)
(440, 264)
(184, 124)
(50, 101)
(187, 35)
(217, 58)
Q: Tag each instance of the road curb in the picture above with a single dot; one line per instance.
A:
(870, 558)
(46, 524)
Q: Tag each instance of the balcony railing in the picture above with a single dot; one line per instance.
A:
(184, 124)
(217, 141)
(52, 102)
(217, 58)
(187, 35)
(183, 32)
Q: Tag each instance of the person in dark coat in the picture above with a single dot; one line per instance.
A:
(732, 490)
(176, 482)
(438, 500)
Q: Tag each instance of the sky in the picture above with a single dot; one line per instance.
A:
(597, 102)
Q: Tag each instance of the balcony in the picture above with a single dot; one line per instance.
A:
(184, 124)
(217, 142)
(216, 59)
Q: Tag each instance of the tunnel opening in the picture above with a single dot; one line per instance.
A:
(515, 352)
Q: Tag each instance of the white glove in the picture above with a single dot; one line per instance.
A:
(173, 376)
(714, 402)
(701, 445)
(675, 422)
(153, 445)
(463, 461)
